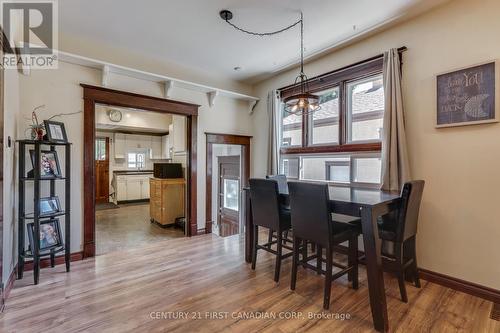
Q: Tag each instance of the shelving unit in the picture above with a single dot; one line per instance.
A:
(34, 253)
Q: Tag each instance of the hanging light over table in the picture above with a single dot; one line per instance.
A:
(301, 101)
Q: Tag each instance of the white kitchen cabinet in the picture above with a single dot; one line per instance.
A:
(134, 141)
(134, 188)
(178, 134)
(156, 152)
(121, 188)
(145, 187)
(119, 144)
(165, 147)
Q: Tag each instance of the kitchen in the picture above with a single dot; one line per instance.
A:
(129, 143)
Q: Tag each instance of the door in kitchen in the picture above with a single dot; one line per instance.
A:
(102, 170)
(229, 195)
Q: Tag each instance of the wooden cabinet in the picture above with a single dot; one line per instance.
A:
(119, 144)
(166, 199)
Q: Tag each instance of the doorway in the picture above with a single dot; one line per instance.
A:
(93, 96)
(228, 195)
(228, 171)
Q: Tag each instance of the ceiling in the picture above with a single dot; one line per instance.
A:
(190, 33)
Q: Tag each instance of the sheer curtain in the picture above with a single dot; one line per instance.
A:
(273, 113)
(395, 164)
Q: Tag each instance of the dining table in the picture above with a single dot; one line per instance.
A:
(366, 203)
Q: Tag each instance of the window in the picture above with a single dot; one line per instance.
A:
(231, 194)
(325, 121)
(136, 160)
(341, 142)
(365, 110)
(100, 149)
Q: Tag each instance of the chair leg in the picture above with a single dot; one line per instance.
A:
(295, 262)
(313, 247)
(401, 273)
(255, 242)
(353, 261)
(319, 254)
(304, 253)
(414, 265)
(328, 278)
(279, 249)
(270, 238)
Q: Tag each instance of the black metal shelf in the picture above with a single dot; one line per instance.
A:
(31, 216)
(29, 255)
(33, 252)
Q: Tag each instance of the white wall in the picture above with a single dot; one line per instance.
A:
(60, 91)
(11, 110)
(459, 230)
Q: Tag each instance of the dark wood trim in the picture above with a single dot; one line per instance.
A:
(45, 262)
(7, 288)
(137, 101)
(93, 95)
(447, 281)
(232, 139)
(347, 148)
(346, 73)
(467, 287)
(132, 132)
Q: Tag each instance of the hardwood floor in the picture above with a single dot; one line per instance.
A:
(136, 290)
(127, 227)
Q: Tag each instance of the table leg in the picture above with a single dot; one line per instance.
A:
(247, 208)
(374, 269)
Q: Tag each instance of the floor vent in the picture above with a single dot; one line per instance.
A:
(495, 312)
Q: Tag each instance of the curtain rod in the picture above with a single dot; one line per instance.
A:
(319, 77)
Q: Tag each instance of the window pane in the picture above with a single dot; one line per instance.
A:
(365, 109)
(320, 168)
(290, 167)
(231, 192)
(291, 130)
(131, 158)
(367, 170)
(325, 122)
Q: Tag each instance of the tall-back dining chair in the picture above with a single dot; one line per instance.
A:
(282, 182)
(312, 221)
(398, 232)
(267, 213)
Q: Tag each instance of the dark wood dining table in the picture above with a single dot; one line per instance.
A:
(368, 204)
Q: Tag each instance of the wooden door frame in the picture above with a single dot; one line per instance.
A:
(107, 158)
(230, 139)
(95, 94)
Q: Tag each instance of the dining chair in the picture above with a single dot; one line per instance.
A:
(282, 188)
(311, 221)
(268, 213)
(398, 231)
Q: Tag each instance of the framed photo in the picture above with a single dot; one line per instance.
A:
(468, 96)
(50, 234)
(55, 131)
(49, 163)
(49, 205)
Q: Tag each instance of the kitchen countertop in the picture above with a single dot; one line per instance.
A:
(133, 172)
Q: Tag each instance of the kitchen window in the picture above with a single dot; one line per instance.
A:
(136, 160)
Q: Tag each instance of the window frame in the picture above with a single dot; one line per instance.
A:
(324, 82)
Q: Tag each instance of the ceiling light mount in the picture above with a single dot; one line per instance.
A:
(226, 15)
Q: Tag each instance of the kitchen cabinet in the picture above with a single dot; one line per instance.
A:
(178, 134)
(119, 145)
(165, 147)
(132, 187)
(167, 200)
(134, 141)
(156, 151)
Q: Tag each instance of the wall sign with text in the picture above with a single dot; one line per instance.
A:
(467, 96)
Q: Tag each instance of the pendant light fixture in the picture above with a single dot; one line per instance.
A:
(301, 101)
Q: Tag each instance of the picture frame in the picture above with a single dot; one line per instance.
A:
(50, 234)
(55, 131)
(468, 95)
(49, 163)
(49, 205)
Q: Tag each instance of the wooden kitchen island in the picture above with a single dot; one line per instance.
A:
(167, 200)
